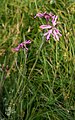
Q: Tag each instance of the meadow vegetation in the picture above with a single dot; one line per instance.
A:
(38, 84)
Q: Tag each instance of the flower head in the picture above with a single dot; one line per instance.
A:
(44, 15)
(51, 30)
(22, 45)
(50, 27)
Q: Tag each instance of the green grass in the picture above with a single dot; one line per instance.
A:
(39, 84)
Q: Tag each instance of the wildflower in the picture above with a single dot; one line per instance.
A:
(44, 15)
(51, 30)
(47, 34)
(56, 34)
(22, 45)
(54, 20)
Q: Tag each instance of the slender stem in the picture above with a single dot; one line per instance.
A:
(37, 56)
(56, 52)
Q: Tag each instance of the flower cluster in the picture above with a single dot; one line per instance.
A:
(52, 29)
(22, 45)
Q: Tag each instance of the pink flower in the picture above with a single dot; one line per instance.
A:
(45, 26)
(54, 20)
(56, 34)
(44, 15)
(47, 34)
(47, 16)
(39, 15)
(52, 27)
(22, 45)
(51, 30)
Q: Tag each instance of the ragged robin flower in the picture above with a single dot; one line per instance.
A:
(52, 27)
(22, 45)
(51, 31)
(44, 15)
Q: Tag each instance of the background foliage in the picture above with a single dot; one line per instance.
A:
(39, 84)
